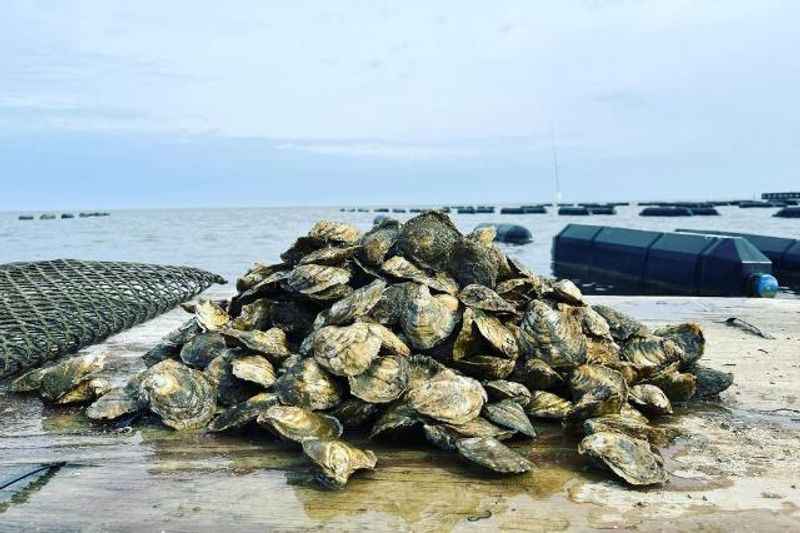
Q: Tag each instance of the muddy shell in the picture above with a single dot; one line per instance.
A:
(313, 279)
(650, 399)
(448, 397)
(384, 381)
(485, 366)
(272, 343)
(500, 337)
(494, 455)
(337, 461)
(510, 414)
(86, 391)
(354, 413)
(547, 405)
(650, 354)
(115, 403)
(181, 396)
(536, 374)
(241, 414)
(308, 385)
(709, 382)
(346, 351)
(678, 386)
(633, 460)
(298, 424)
(330, 255)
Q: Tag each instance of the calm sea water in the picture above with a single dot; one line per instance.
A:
(228, 241)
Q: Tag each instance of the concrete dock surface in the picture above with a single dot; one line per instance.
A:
(736, 467)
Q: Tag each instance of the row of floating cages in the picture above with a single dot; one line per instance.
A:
(51, 216)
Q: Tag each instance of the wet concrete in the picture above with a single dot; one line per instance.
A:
(736, 466)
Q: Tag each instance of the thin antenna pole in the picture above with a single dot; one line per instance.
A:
(555, 168)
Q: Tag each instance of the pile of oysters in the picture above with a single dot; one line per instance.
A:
(416, 330)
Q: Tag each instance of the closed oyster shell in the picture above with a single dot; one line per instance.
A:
(678, 386)
(689, 337)
(355, 306)
(474, 262)
(650, 354)
(115, 403)
(200, 350)
(630, 427)
(555, 336)
(508, 413)
(498, 335)
(428, 320)
(86, 391)
(384, 381)
(633, 460)
(622, 326)
(210, 316)
(537, 375)
(485, 299)
(429, 240)
(650, 398)
(29, 381)
(400, 267)
(448, 397)
(330, 255)
(314, 279)
(229, 388)
(61, 378)
(377, 242)
(566, 291)
(259, 272)
(337, 461)
(354, 413)
(399, 416)
(346, 351)
(500, 389)
(545, 404)
(255, 369)
(494, 455)
(709, 382)
(391, 344)
(391, 304)
(181, 396)
(243, 413)
(272, 343)
(597, 390)
(308, 385)
(298, 424)
(335, 232)
(485, 366)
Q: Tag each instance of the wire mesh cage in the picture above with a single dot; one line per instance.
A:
(52, 308)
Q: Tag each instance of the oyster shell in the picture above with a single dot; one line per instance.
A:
(315, 279)
(508, 413)
(346, 351)
(181, 396)
(335, 232)
(298, 424)
(651, 399)
(355, 306)
(498, 335)
(566, 291)
(537, 375)
(429, 240)
(258, 273)
(243, 413)
(399, 416)
(650, 354)
(630, 427)
(709, 382)
(384, 381)
(678, 386)
(553, 335)
(494, 455)
(401, 268)
(377, 242)
(115, 403)
(200, 350)
(229, 388)
(448, 397)
(210, 316)
(485, 366)
(272, 343)
(597, 390)
(354, 413)
(308, 385)
(391, 344)
(391, 304)
(501, 389)
(86, 391)
(633, 460)
(60, 379)
(485, 299)
(545, 404)
(689, 337)
(474, 262)
(29, 381)
(622, 326)
(337, 461)
(255, 369)
(330, 255)
(428, 320)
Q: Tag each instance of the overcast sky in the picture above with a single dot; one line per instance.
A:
(150, 104)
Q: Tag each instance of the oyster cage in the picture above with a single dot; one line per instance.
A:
(52, 308)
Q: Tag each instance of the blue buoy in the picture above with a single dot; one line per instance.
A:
(664, 263)
(510, 233)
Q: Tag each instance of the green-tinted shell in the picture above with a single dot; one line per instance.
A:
(633, 460)
(537, 375)
(485, 366)
(479, 427)
(545, 404)
(181, 396)
(200, 350)
(259, 272)
(255, 369)
(354, 413)
(401, 268)
(494, 455)
(474, 262)
(448, 397)
(630, 427)
(346, 351)
(485, 299)
(335, 232)
(299, 425)
(508, 413)
(229, 388)
(399, 416)
(86, 391)
(709, 382)
(651, 399)
(429, 240)
(307, 384)
(428, 320)
(61, 378)
(272, 343)
(29, 381)
(243, 413)
(678, 386)
(115, 403)
(689, 337)
(330, 255)
(337, 461)
(384, 381)
(553, 335)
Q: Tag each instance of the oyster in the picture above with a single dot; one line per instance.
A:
(353, 413)
(485, 366)
(29, 381)
(494, 455)
(181, 396)
(566, 291)
(689, 337)
(401, 268)
(651, 399)
(170, 346)
(555, 336)
(479, 427)
(329, 255)
(508, 413)
(391, 344)
(428, 320)
(301, 248)
(255, 369)
(243, 413)
(501, 389)
(622, 326)
(633, 460)
(631, 427)
(298, 424)
(377, 242)
(474, 262)
(229, 388)
(355, 306)
(651, 353)
(337, 461)
(710, 382)
(597, 390)
(384, 381)
(210, 316)
(485, 299)
(537, 375)
(315, 279)
(545, 404)
(255, 315)
(335, 232)
(308, 385)
(678, 386)
(399, 416)
(346, 351)
(200, 350)
(60, 379)
(115, 403)
(498, 335)
(272, 343)
(391, 304)
(448, 397)
(429, 240)
(422, 368)
(258, 273)
(86, 391)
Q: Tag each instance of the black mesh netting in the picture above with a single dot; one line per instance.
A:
(52, 308)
